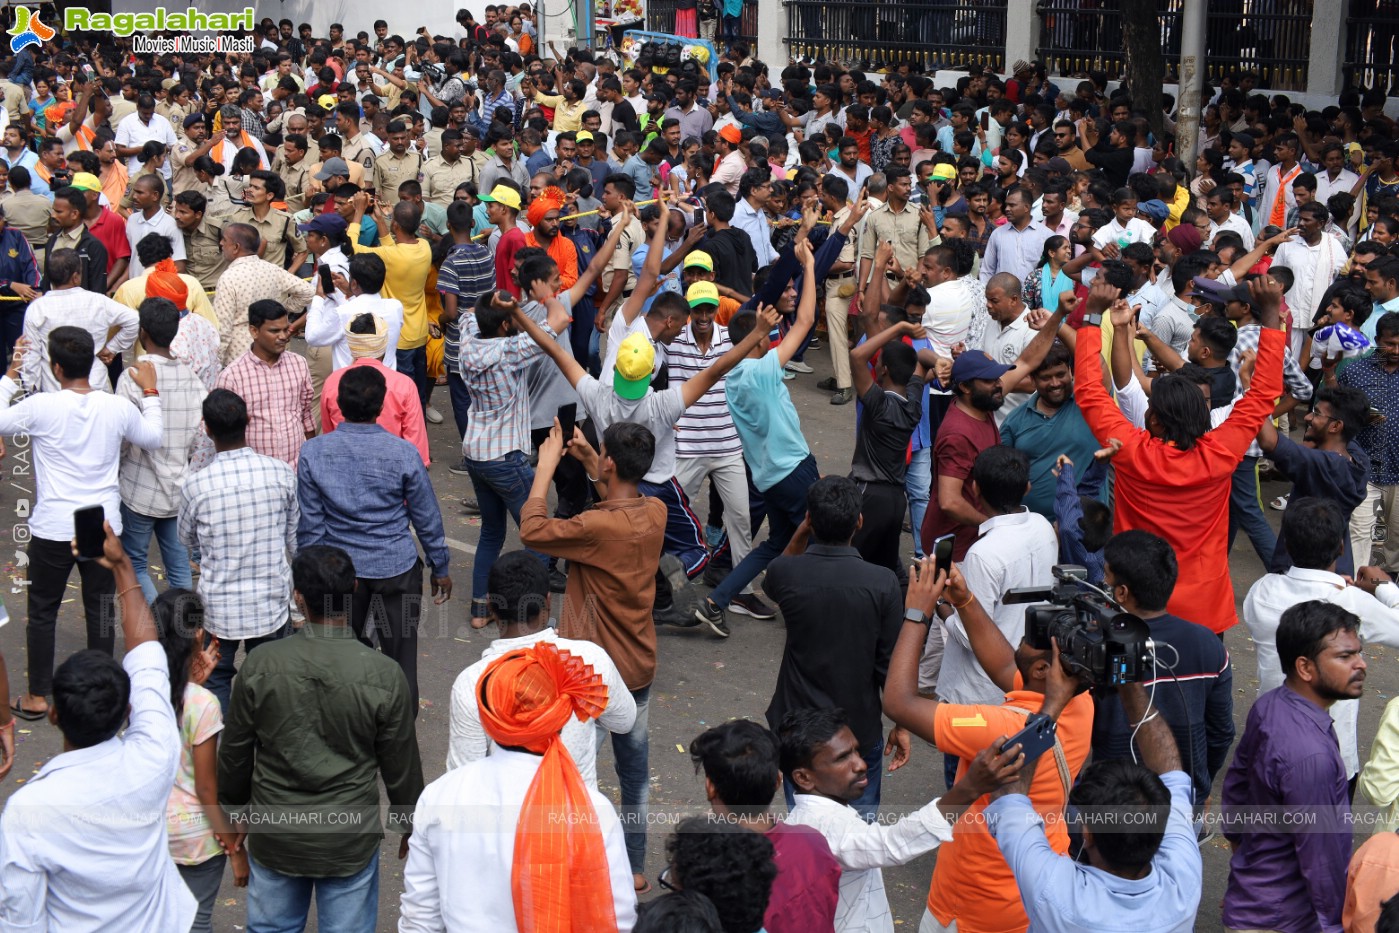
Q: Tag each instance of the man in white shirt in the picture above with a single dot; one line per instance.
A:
(77, 436)
(477, 848)
(1125, 227)
(137, 129)
(326, 319)
(850, 169)
(83, 845)
(1219, 205)
(1017, 548)
(1007, 334)
(1336, 176)
(750, 213)
(821, 760)
(150, 217)
(1316, 259)
(1313, 530)
(71, 305)
(519, 605)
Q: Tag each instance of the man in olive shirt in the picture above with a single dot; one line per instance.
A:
(276, 228)
(203, 256)
(449, 168)
(315, 719)
(291, 168)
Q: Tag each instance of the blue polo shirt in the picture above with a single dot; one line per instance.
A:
(1044, 438)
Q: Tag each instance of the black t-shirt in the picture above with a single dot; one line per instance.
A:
(734, 259)
(1222, 386)
(881, 440)
(1115, 163)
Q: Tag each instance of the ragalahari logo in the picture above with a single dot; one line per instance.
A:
(27, 30)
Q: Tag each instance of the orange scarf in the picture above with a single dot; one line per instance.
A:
(560, 250)
(559, 879)
(1278, 216)
(245, 141)
(84, 138)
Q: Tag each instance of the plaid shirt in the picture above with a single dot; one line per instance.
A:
(278, 397)
(242, 514)
(468, 271)
(150, 479)
(1293, 379)
(494, 372)
(253, 124)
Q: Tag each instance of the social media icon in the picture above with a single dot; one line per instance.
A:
(22, 508)
(21, 558)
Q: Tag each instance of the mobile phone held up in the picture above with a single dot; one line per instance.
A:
(942, 555)
(1035, 739)
(88, 531)
(568, 416)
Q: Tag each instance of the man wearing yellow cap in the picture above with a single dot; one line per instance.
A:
(503, 209)
(552, 858)
(698, 266)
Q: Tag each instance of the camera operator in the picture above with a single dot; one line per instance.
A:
(972, 885)
(1144, 868)
(1197, 703)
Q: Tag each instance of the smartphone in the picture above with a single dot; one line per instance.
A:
(88, 530)
(327, 282)
(568, 415)
(699, 217)
(984, 118)
(1035, 739)
(942, 555)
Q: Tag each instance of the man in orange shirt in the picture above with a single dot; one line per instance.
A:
(698, 266)
(1177, 458)
(972, 884)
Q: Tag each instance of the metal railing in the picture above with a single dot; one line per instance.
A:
(660, 17)
(930, 33)
(1270, 37)
(1372, 44)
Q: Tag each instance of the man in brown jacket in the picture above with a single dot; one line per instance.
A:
(613, 552)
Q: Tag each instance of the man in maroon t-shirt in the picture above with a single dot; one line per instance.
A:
(979, 385)
(741, 778)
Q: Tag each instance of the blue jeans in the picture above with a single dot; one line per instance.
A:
(136, 530)
(786, 506)
(730, 30)
(220, 682)
(501, 486)
(413, 364)
(631, 753)
(867, 804)
(918, 483)
(1246, 511)
(461, 400)
(279, 903)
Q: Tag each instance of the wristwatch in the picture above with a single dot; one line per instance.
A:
(1094, 320)
(915, 616)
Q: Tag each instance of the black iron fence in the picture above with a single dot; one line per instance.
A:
(1270, 37)
(660, 17)
(930, 33)
(1372, 41)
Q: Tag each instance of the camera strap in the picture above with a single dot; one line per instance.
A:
(1060, 759)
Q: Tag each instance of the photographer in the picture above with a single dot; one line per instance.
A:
(1195, 695)
(972, 884)
(1144, 870)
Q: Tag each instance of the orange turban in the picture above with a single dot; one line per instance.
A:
(560, 879)
(165, 282)
(550, 199)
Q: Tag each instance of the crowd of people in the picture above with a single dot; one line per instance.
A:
(230, 285)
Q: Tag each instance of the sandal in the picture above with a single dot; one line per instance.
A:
(28, 715)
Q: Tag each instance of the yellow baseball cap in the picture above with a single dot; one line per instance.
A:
(583, 136)
(86, 181)
(703, 293)
(699, 259)
(504, 194)
(636, 357)
(944, 172)
(327, 101)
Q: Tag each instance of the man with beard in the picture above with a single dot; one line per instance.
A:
(1288, 758)
(1049, 425)
(979, 388)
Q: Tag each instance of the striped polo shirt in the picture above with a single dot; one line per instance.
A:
(707, 428)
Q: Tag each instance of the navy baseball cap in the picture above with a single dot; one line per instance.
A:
(975, 364)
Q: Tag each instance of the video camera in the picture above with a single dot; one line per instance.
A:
(1097, 639)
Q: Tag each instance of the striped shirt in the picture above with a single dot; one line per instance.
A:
(467, 271)
(707, 428)
(242, 513)
(278, 396)
(494, 371)
(150, 479)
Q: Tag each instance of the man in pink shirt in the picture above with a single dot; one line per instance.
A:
(402, 415)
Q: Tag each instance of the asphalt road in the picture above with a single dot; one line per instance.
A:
(702, 680)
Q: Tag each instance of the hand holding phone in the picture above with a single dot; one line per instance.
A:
(942, 554)
(89, 532)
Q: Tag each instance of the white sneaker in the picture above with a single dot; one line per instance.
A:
(433, 415)
(796, 366)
